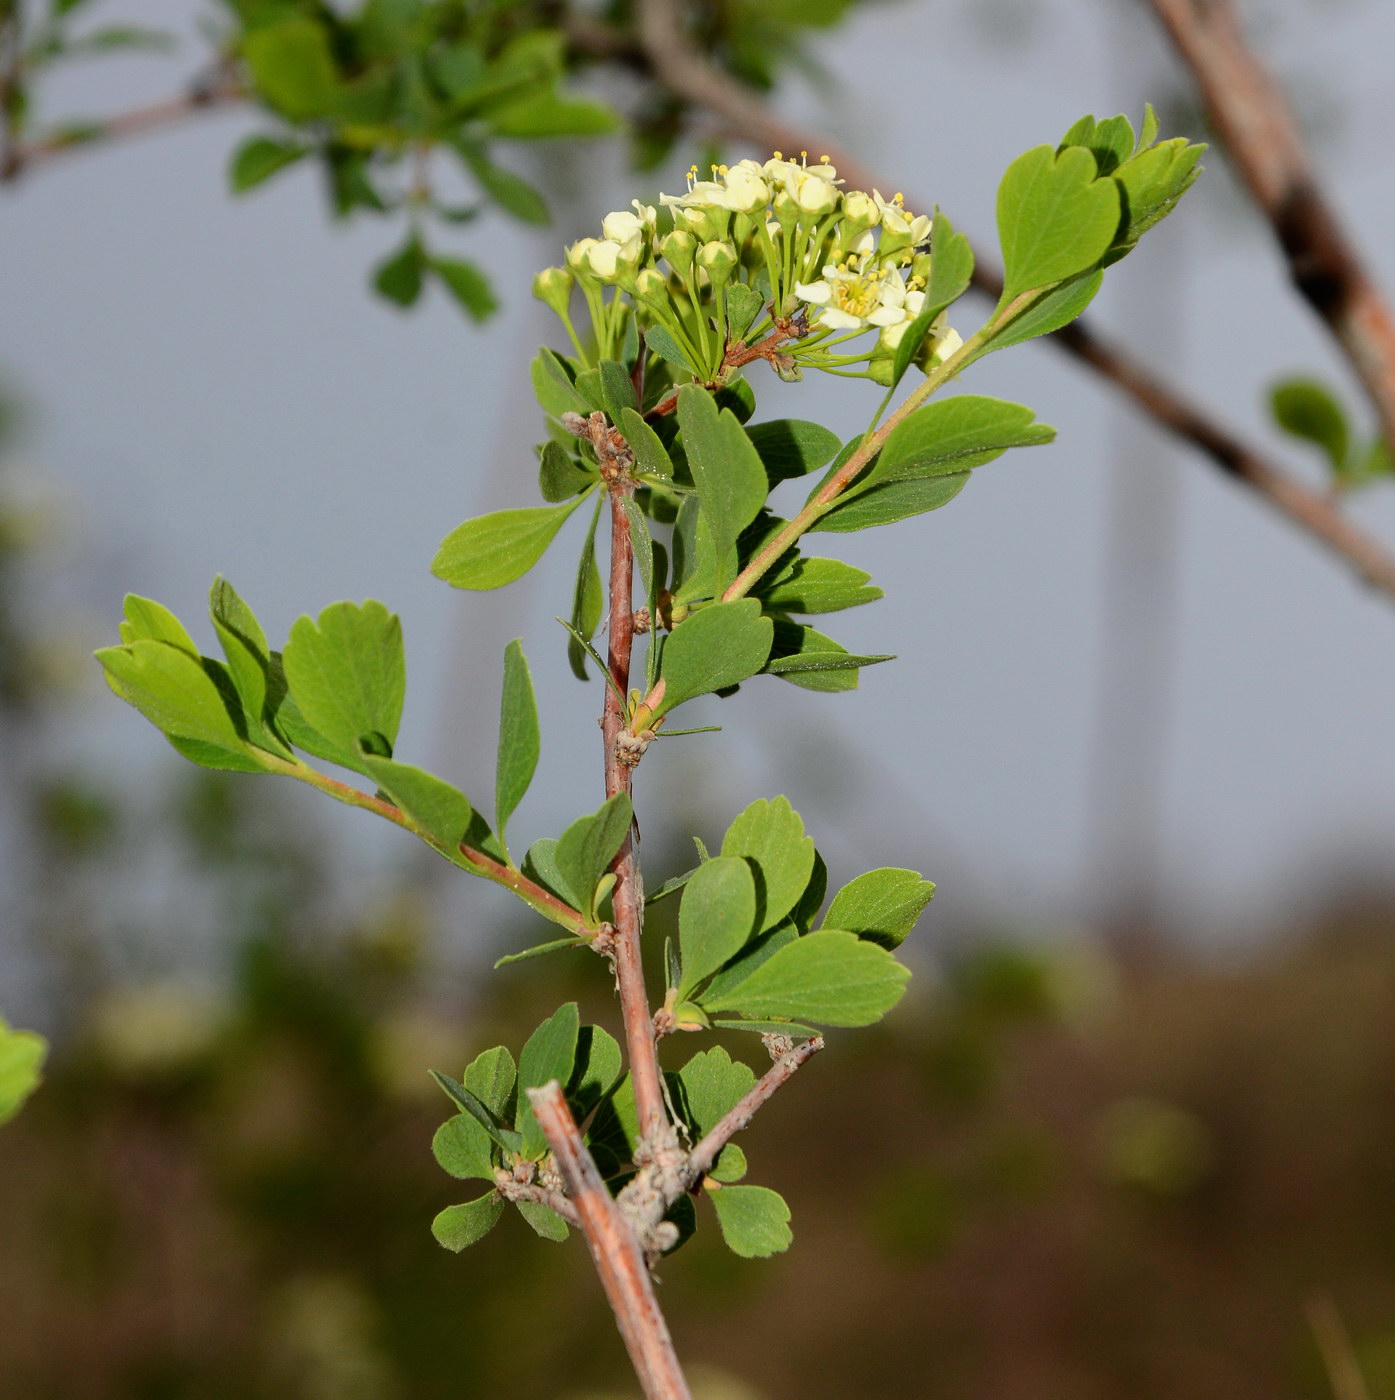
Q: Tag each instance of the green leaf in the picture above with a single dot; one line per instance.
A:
(147, 620)
(831, 978)
(789, 447)
(1308, 410)
(650, 454)
(550, 115)
(641, 543)
(716, 918)
(807, 658)
(509, 191)
(1049, 312)
(22, 1055)
(716, 647)
(510, 1141)
(598, 1067)
(819, 586)
(1152, 182)
(560, 477)
(496, 549)
(463, 1148)
(544, 1221)
(292, 67)
(951, 271)
(743, 305)
(662, 344)
(770, 835)
(549, 1054)
(540, 865)
(399, 276)
(713, 1084)
(184, 696)
(881, 906)
(539, 950)
(896, 501)
(953, 435)
(587, 847)
(1110, 141)
(519, 737)
(249, 661)
(588, 598)
(440, 809)
(758, 951)
(348, 674)
(493, 1079)
(553, 387)
(1055, 218)
(728, 473)
(754, 1220)
(458, 1227)
(617, 389)
(467, 284)
(259, 158)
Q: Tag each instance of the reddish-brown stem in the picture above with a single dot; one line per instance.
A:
(615, 1250)
(640, 1041)
(738, 1118)
(1251, 115)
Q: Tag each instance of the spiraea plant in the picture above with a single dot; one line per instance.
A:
(650, 421)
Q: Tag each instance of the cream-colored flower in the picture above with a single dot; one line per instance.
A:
(607, 257)
(913, 228)
(855, 294)
(746, 190)
(622, 224)
(578, 252)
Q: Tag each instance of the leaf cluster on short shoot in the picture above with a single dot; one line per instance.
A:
(651, 409)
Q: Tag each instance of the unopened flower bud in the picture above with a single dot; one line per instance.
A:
(651, 285)
(786, 210)
(718, 260)
(817, 197)
(577, 254)
(679, 248)
(860, 211)
(553, 287)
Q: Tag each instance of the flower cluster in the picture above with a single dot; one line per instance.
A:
(767, 260)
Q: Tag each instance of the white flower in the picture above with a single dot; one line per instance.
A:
(746, 189)
(606, 257)
(857, 293)
(622, 224)
(915, 228)
(577, 253)
(861, 209)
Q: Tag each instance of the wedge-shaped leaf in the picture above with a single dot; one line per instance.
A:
(951, 270)
(519, 737)
(467, 284)
(881, 906)
(290, 722)
(789, 447)
(553, 387)
(770, 835)
(819, 586)
(897, 500)
(506, 1138)
(831, 978)
(507, 190)
(187, 697)
(496, 549)
(586, 848)
(1049, 312)
(953, 435)
(401, 275)
(259, 158)
(551, 115)
(559, 476)
(662, 344)
(617, 389)
(1152, 183)
(292, 67)
(728, 473)
(550, 1053)
(463, 1148)
(149, 621)
(756, 952)
(717, 647)
(1110, 141)
(249, 662)
(755, 1220)
(493, 1079)
(1308, 410)
(22, 1055)
(713, 1084)
(554, 945)
(348, 674)
(716, 918)
(588, 598)
(544, 1221)
(1056, 217)
(651, 456)
(458, 1227)
(540, 865)
(809, 659)
(596, 1072)
(438, 807)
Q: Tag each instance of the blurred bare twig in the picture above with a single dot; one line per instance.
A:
(1255, 124)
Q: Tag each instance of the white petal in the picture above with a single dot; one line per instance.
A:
(816, 293)
(837, 320)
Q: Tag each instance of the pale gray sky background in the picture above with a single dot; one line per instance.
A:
(217, 392)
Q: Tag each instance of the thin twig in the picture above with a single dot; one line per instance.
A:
(615, 1250)
(679, 65)
(529, 1193)
(738, 1119)
(1251, 115)
(205, 95)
